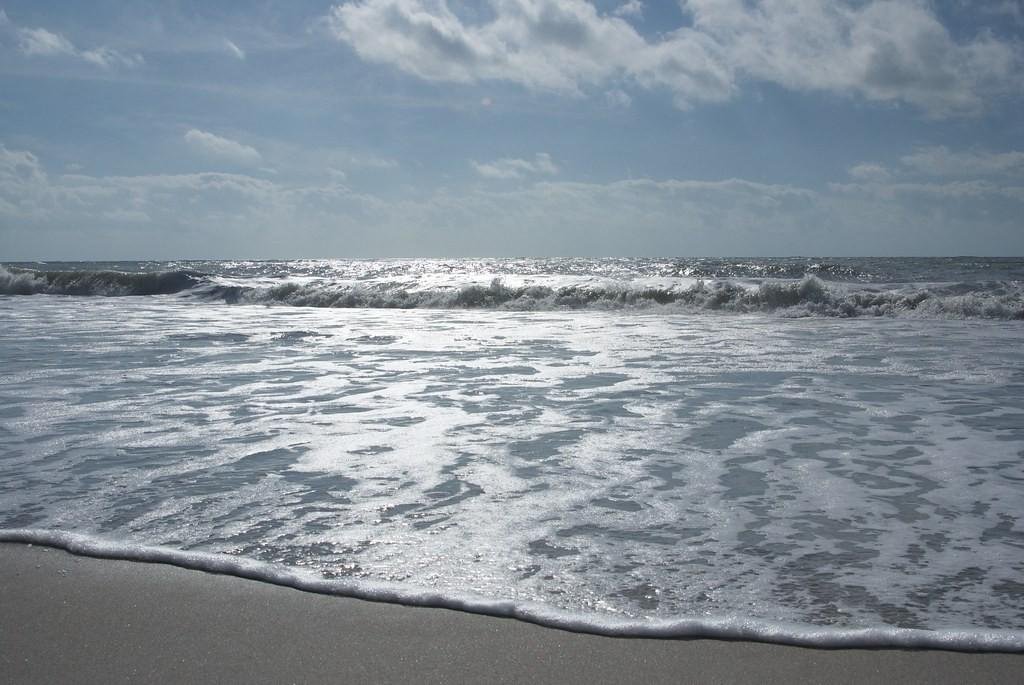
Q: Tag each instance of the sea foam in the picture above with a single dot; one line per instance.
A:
(968, 639)
(644, 468)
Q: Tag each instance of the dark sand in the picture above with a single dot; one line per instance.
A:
(65, 618)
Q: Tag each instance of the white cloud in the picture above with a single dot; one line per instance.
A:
(20, 166)
(92, 216)
(44, 43)
(130, 216)
(869, 172)
(170, 216)
(618, 98)
(39, 42)
(363, 161)
(957, 190)
(232, 49)
(941, 161)
(632, 8)
(882, 50)
(555, 45)
(106, 57)
(517, 168)
(223, 149)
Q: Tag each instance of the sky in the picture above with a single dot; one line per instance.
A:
(292, 128)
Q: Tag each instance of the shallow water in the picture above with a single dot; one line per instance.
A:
(646, 464)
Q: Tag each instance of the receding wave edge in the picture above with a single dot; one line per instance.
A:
(759, 630)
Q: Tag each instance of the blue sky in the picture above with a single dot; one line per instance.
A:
(510, 127)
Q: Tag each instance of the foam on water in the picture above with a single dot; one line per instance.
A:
(818, 480)
(715, 628)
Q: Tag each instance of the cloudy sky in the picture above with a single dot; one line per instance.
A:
(293, 128)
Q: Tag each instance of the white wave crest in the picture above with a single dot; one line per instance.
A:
(799, 297)
(809, 296)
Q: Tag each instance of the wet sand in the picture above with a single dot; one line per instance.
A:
(66, 618)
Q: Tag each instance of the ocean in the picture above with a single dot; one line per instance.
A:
(814, 451)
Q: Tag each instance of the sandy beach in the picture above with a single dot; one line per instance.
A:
(68, 618)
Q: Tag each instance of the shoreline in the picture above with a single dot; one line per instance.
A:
(742, 630)
(73, 618)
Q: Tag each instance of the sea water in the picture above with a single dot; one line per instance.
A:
(825, 451)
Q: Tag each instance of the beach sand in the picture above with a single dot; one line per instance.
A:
(66, 618)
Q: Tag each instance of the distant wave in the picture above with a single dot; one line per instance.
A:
(784, 268)
(728, 628)
(809, 296)
(16, 281)
(799, 297)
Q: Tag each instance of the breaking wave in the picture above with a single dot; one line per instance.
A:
(809, 296)
(15, 281)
